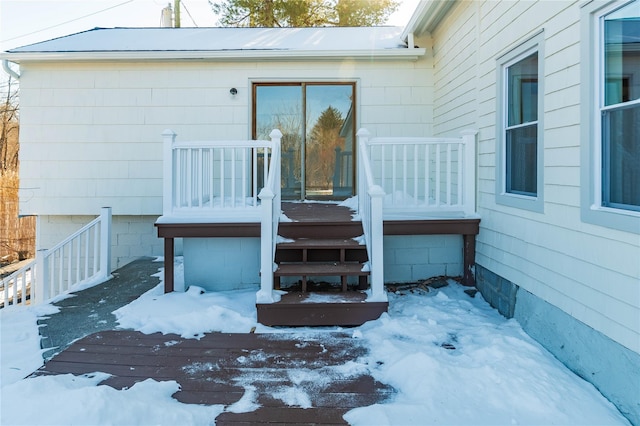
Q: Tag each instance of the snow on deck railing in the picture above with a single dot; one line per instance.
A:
(370, 198)
(205, 177)
(425, 175)
(82, 258)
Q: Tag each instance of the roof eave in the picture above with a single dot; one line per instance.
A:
(427, 17)
(235, 55)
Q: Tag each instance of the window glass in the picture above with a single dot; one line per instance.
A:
(521, 133)
(620, 109)
(523, 91)
(622, 54)
(316, 120)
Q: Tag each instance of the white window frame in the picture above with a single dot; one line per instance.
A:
(533, 203)
(592, 93)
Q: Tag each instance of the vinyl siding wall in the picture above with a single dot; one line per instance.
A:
(91, 132)
(592, 273)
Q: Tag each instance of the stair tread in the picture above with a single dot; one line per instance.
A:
(321, 243)
(320, 268)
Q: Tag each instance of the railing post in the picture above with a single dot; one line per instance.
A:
(276, 139)
(469, 139)
(377, 244)
(265, 295)
(363, 139)
(168, 138)
(105, 242)
(40, 284)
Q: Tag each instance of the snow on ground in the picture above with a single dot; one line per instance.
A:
(452, 359)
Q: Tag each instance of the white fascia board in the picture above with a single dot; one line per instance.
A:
(235, 55)
(427, 17)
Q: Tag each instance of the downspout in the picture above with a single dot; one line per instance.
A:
(8, 70)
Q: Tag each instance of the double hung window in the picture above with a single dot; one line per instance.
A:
(610, 124)
(619, 80)
(519, 179)
(521, 130)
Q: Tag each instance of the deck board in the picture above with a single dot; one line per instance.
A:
(317, 212)
(215, 369)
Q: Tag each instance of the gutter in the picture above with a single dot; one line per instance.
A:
(8, 70)
(237, 55)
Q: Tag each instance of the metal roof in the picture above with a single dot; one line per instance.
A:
(219, 43)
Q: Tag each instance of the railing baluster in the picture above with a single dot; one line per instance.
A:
(78, 251)
(448, 175)
(393, 174)
(383, 167)
(199, 175)
(211, 177)
(438, 189)
(404, 170)
(69, 264)
(254, 176)
(267, 164)
(96, 247)
(244, 177)
(233, 177)
(61, 269)
(23, 287)
(190, 177)
(14, 298)
(222, 195)
(427, 177)
(415, 174)
(87, 259)
(459, 188)
(5, 291)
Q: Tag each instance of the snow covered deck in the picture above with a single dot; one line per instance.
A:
(213, 370)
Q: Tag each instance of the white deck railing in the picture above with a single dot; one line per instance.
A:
(215, 178)
(421, 177)
(425, 176)
(15, 289)
(82, 258)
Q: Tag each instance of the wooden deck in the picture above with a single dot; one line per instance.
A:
(309, 219)
(218, 368)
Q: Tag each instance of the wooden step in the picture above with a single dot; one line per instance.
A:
(320, 309)
(321, 250)
(318, 229)
(322, 243)
(319, 269)
(304, 270)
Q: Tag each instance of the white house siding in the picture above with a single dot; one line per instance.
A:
(589, 272)
(91, 131)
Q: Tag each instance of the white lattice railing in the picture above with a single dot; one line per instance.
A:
(204, 178)
(425, 175)
(82, 258)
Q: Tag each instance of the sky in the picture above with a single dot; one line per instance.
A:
(24, 22)
(451, 358)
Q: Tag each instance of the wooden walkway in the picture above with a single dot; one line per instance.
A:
(219, 368)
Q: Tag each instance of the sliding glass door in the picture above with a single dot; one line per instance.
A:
(317, 123)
